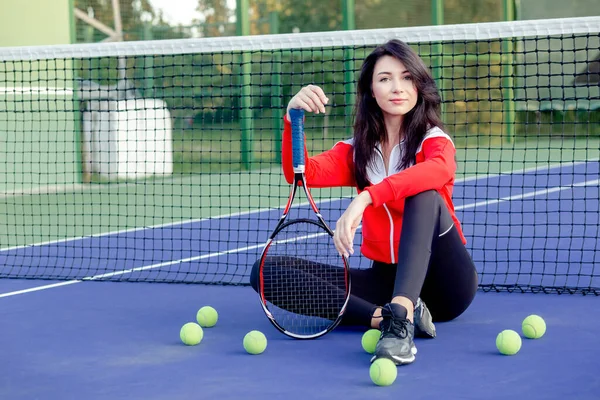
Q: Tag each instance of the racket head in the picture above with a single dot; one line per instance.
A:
(304, 283)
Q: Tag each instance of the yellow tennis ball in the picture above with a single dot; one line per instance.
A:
(370, 339)
(508, 342)
(191, 334)
(255, 342)
(383, 372)
(534, 327)
(207, 317)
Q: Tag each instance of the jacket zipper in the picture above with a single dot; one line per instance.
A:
(391, 234)
(386, 169)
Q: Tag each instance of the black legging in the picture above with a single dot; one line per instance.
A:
(433, 263)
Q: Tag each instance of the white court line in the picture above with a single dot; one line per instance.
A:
(595, 182)
(38, 288)
(128, 271)
(47, 189)
(527, 170)
(260, 210)
(91, 187)
(35, 90)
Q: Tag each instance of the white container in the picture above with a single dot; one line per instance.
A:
(128, 139)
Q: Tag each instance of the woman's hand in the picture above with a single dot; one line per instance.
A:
(343, 236)
(310, 98)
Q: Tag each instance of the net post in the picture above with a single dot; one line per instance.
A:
(437, 18)
(276, 88)
(508, 104)
(246, 125)
(348, 23)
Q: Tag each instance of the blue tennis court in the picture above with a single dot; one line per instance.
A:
(79, 339)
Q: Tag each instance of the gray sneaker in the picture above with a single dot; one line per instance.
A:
(424, 327)
(396, 340)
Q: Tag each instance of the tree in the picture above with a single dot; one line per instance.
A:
(134, 15)
(217, 18)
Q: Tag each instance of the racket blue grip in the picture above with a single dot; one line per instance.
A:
(297, 120)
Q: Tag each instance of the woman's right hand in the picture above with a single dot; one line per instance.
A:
(310, 98)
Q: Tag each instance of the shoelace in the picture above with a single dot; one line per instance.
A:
(394, 327)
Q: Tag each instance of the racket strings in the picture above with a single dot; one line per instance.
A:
(304, 279)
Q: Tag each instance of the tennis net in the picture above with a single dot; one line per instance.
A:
(159, 161)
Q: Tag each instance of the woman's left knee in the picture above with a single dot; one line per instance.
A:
(430, 201)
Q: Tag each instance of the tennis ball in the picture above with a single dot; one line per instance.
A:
(383, 372)
(255, 342)
(191, 334)
(207, 317)
(534, 327)
(370, 339)
(508, 342)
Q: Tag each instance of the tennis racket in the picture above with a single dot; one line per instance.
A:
(304, 283)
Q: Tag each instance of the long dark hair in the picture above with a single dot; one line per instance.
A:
(369, 126)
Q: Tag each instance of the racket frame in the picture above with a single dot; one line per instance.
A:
(299, 180)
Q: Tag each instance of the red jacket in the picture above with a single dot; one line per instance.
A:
(382, 220)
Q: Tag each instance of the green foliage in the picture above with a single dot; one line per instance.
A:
(133, 15)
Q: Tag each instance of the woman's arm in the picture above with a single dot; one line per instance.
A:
(329, 169)
(433, 173)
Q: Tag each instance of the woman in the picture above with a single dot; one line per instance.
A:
(403, 166)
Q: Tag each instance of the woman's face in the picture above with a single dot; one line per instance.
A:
(392, 87)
